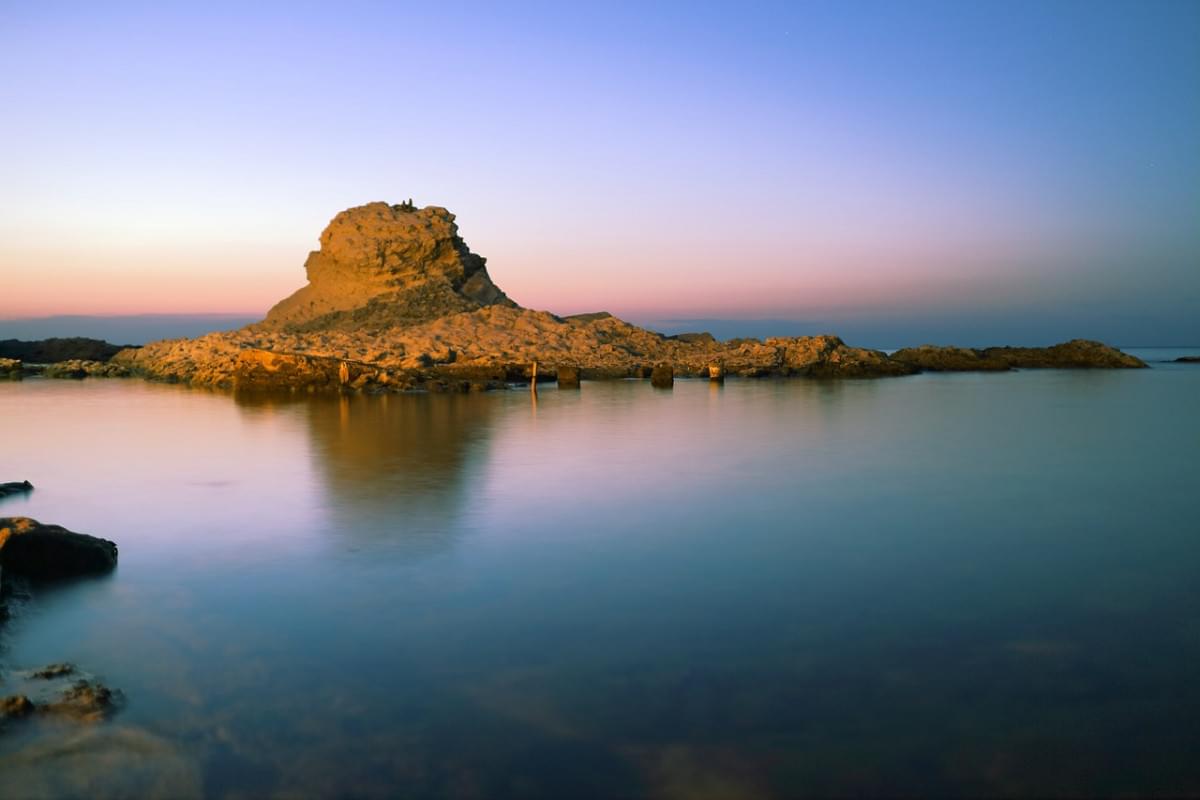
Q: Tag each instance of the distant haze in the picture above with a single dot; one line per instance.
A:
(975, 172)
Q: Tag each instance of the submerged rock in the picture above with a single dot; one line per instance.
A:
(46, 552)
(49, 691)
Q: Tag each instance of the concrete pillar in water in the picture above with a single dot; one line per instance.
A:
(568, 377)
(662, 376)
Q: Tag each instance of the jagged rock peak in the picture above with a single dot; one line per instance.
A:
(383, 265)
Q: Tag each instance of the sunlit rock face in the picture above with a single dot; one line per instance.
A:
(383, 265)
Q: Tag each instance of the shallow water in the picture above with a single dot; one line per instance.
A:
(937, 584)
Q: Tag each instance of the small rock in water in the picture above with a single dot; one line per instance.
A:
(662, 376)
(568, 377)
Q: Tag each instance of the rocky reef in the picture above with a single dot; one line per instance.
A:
(396, 301)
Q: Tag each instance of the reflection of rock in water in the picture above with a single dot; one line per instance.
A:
(396, 469)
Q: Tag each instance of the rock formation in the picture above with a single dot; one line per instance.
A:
(397, 301)
(46, 552)
(381, 265)
(1075, 354)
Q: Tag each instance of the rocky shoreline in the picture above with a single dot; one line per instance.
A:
(396, 301)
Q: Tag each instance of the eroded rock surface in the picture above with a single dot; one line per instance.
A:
(397, 301)
(381, 265)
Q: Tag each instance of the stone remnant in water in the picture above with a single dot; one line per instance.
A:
(1188, 360)
(716, 373)
(46, 552)
(662, 376)
(568, 377)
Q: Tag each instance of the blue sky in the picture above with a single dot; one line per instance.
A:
(1024, 170)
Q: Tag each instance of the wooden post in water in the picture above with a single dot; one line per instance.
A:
(533, 377)
(662, 376)
(344, 373)
(716, 372)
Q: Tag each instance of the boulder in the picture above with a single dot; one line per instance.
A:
(45, 552)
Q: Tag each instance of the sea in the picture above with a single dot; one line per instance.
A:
(943, 584)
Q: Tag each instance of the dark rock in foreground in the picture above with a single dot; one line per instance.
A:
(1075, 354)
(50, 351)
(47, 552)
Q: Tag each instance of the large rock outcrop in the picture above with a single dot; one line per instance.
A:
(382, 265)
(397, 301)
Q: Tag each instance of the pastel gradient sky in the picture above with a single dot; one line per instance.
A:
(969, 164)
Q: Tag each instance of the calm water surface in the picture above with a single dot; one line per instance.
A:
(955, 584)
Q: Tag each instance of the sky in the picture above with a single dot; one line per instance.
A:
(983, 172)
